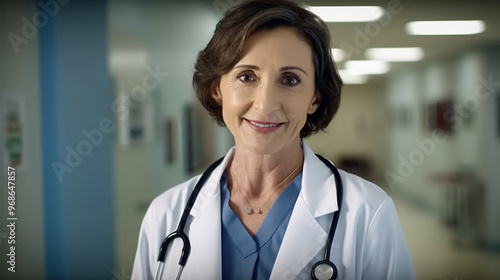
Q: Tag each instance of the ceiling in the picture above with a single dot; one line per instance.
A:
(394, 35)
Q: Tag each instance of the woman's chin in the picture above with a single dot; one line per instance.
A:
(268, 146)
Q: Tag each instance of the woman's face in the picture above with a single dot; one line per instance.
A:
(267, 95)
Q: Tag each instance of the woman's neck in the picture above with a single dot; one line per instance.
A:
(258, 175)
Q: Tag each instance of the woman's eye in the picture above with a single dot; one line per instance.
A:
(245, 77)
(290, 81)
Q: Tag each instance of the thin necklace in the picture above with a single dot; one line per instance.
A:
(250, 210)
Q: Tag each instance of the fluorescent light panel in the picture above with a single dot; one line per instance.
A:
(348, 13)
(395, 54)
(352, 79)
(338, 54)
(367, 67)
(443, 27)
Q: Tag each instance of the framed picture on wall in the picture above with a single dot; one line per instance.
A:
(444, 115)
(13, 125)
(440, 115)
(193, 135)
(170, 136)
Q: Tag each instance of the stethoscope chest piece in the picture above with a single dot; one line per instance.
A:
(324, 270)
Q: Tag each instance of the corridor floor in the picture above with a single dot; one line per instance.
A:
(435, 251)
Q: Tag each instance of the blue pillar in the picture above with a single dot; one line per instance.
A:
(77, 140)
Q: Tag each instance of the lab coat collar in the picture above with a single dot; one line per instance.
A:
(317, 182)
(304, 237)
(205, 228)
(211, 188)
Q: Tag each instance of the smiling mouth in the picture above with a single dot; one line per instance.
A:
(262, 125)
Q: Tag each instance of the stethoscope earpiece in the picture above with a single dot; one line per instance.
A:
(324, 270)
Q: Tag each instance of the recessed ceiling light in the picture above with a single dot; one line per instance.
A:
(338, 54)
(445, 27)
(395, 54)
(350, 79)
(367, 67)
(348, 13)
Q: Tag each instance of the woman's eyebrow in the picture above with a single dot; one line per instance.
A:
(247, 66)
(281, 69)
(293, 68)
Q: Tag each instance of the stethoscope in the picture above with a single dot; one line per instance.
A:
(322, 270)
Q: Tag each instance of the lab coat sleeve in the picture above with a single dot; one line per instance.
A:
(142, 263)
(386, 254)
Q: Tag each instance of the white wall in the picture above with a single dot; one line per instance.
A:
(358, 129)
(472, 146)
(132, 162)
(492, 148)
(404, 99)
(184, 30)
(19, 78)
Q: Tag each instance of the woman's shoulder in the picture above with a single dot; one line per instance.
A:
(361, 191)
(174, 197)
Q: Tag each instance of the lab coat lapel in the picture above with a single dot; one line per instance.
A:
(205, 230)
(305, 237)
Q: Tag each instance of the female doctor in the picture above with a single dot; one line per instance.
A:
(266, 210)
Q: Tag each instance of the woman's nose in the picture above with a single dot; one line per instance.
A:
(266, 98)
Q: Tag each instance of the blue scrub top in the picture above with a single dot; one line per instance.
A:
(247, 257)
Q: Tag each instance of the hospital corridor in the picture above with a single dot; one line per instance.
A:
(100, 115)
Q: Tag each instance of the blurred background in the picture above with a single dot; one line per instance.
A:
(98, 116)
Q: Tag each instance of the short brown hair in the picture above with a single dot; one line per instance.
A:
(238, 24)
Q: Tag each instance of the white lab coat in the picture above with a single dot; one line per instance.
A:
(368, 243)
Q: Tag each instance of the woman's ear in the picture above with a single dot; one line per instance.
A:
(217, 95)
(316, 100)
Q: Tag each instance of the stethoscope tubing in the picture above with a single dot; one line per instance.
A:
(179, 232)
(186, 249)
(340, 193)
